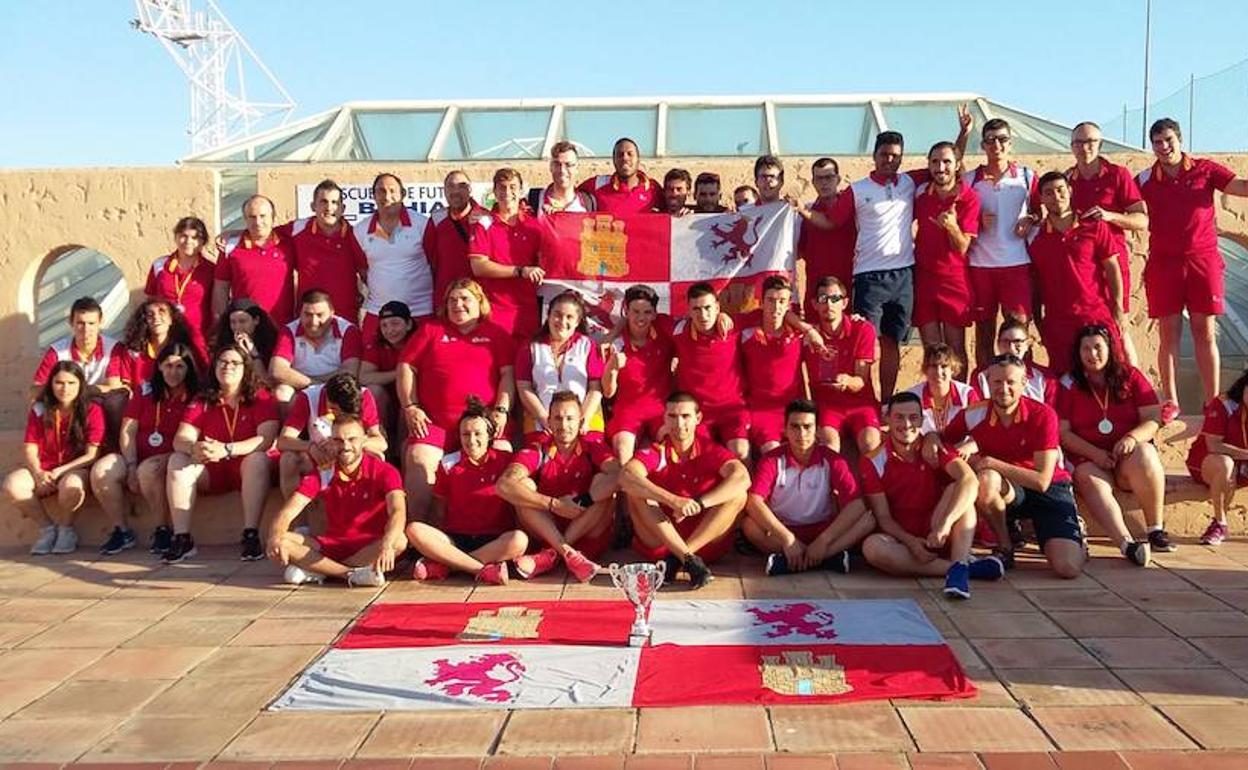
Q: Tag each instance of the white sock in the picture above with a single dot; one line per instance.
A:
(1156, 528)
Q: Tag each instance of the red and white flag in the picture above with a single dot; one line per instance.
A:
(575, 655)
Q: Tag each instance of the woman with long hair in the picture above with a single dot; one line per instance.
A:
(1219, 455)
(64, 430)
(222, 445)
(153, 325)
(145, 444)
(184, 279)
(1108, 415)
(561, 357)
(244, 323)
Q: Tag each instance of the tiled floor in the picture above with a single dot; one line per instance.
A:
(122, 661)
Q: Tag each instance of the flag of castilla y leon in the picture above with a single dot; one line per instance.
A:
(600, 256)
(575, 654)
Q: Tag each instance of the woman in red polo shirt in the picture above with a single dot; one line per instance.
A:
(152, 326)
(1108, 415)
(138, 466)
(562, 357)
(478, 533)
(184, 278)
(245, 324)
(64, 430)
(380, 363)
(222, 444)
(1219, 455)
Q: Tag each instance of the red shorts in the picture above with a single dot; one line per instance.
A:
(848, 419)
(766, 424)
(1241, 475)
(941, 299)
(224, 476)
(726, 423)
(1004, 289)
(640, 419)
(1197, 284)
(711, 552)
(436, 436)
(341, 548)
(1059, 336)
(808, 532)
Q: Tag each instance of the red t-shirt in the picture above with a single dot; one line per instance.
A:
(513, 301)
(1113, 189)
(221, 423)
(934, 256)
(773, 367)
(384, 357)
(55, 445)
(264, 272)
(1034, 429)
(446, 247)
(854, 342)
(559, 473)
(1069, 269)
(691, 476)
(161, 417)
(132, 366)
(804, 494)
(647, 374)
(1082, 409)
(190, 292)
(451, 366)
(355, 505)
(472, 507)
(828, 252)
(1224, 419)
(911, 486)
(1182, 223)
(709, 365)
(612, 197)
(330, 261)
(300, 414)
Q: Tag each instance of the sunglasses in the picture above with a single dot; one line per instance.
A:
(824, 299)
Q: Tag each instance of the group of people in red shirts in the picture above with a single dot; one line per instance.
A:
(328, 355)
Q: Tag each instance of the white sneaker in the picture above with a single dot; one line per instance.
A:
(365, 576)
(66, 540)
(297, 576)
(43, 544)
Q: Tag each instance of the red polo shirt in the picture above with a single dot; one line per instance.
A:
(647, 373)
(264, 272)
(1070, 269)
(1084, 411)
(934, 257)
(1181, 220)
(773, 367)
(1112, 188)
(384, 357)
(513, 301)
(1034, 429)
(446, 247)
(55, 445)
(853, 342)
(218, 421)
(155, 417)
(189, 291)
(330, 261)
(709, 365)
(691, 476)
(1224, 419)
(612, 197)
(451, 366)
(828, 252)
(563, 473)
(472, 507)
(911, 486)
(355, 504)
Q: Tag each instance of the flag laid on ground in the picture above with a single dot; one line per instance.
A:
(552, 654)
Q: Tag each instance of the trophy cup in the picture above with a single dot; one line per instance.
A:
(639, 582)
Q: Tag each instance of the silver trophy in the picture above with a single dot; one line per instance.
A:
(639, 582)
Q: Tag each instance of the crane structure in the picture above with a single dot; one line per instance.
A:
(217, 61)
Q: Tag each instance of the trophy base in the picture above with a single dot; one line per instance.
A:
(639, 640)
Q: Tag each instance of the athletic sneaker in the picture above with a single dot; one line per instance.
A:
(581, 566)
(297, 576)
(365, 577)
(1018, 538)
(66, 540)
(1006, 557)
(1215, 533)
(252, 549)
(1169, 411)
(543, 561)
(986, 568)
(427, 569)
(777, 564)
(672, 567)
(120, 540)
(1137, 552)
(1159, 540)
(162, 538)
(958, 581)
(181, 549)
(699, 573)
(493, 574)
(43, 544)
(837, 562)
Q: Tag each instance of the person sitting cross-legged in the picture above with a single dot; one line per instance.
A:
(804, 509)
(365, 509)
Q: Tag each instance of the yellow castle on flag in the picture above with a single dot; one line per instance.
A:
(503, 623)
(603, 245)
(801, 674)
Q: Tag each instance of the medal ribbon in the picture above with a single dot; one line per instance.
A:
(230, 422)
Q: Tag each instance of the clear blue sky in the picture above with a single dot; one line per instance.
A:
(83, 88)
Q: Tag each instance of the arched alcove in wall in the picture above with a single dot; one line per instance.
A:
(70, 272)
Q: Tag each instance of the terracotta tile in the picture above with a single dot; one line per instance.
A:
(1088, 760)
(990, 624)
(194, 696)
(45, 664)
(146, 663)
(1230, 651)
(377, 764)
(1019, 761)
(872, 761)
(75, 587)
(255, 662)
(1067, 687)
(1146, 653)
(1034, 653)
(445, 763)
(236, 607)
(542, 732)
(279, 632)
(86, 699)
(1213, 727)
(1124, 623)
(944, 762)
(1192, 600)
(851, 727)
(754, 762)
(86, 633)
(973, 729)
(1188, 686)
(323, 601)
(589, 763)
(517, 763)
(1003, 599)
(170, 738)
(1075, 599)
(301, 736)
(43, 610)
(1165, 760)
(681, 762)
(307, 765)
(51, 740)
(703, 729)
(966, 654)
(17, 693)
(1099, 728)
(433, 733)
(189, 632)
(800, 762)
(1237, 598)
(991, 692)
(1187, 624)
(13, 634)
(115, 608)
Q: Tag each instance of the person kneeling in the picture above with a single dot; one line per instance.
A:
(804, 507)
(477, 532)
(563, 487)
(684, 494)
(365, 508)
(925, 512)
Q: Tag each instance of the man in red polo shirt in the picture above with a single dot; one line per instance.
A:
(684, 494)
(259, 264)
(1185, 270)
(628, 190)
(771, 355)
(563, 490)
(1012, 445)
(826, 252)
(365, 511)
(840, 370)
(446, 239)
(676, 184)
(924, 513)
(1077, 275)
(503, 255)
(315, 347)
(708, 365)
(804, 509)
(327, 256)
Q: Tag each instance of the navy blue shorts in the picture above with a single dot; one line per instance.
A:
(1052, 512)
(470, 543)
(886, 298)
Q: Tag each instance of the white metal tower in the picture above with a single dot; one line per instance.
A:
(216, 59)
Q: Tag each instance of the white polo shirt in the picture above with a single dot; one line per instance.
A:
(341, 343)
(884, 212)
(398, 268)
(1006, 199)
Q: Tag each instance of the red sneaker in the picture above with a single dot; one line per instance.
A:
(493, 574)
(426, 569)
(1169, 411)
(543, 561)
(581, 567)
